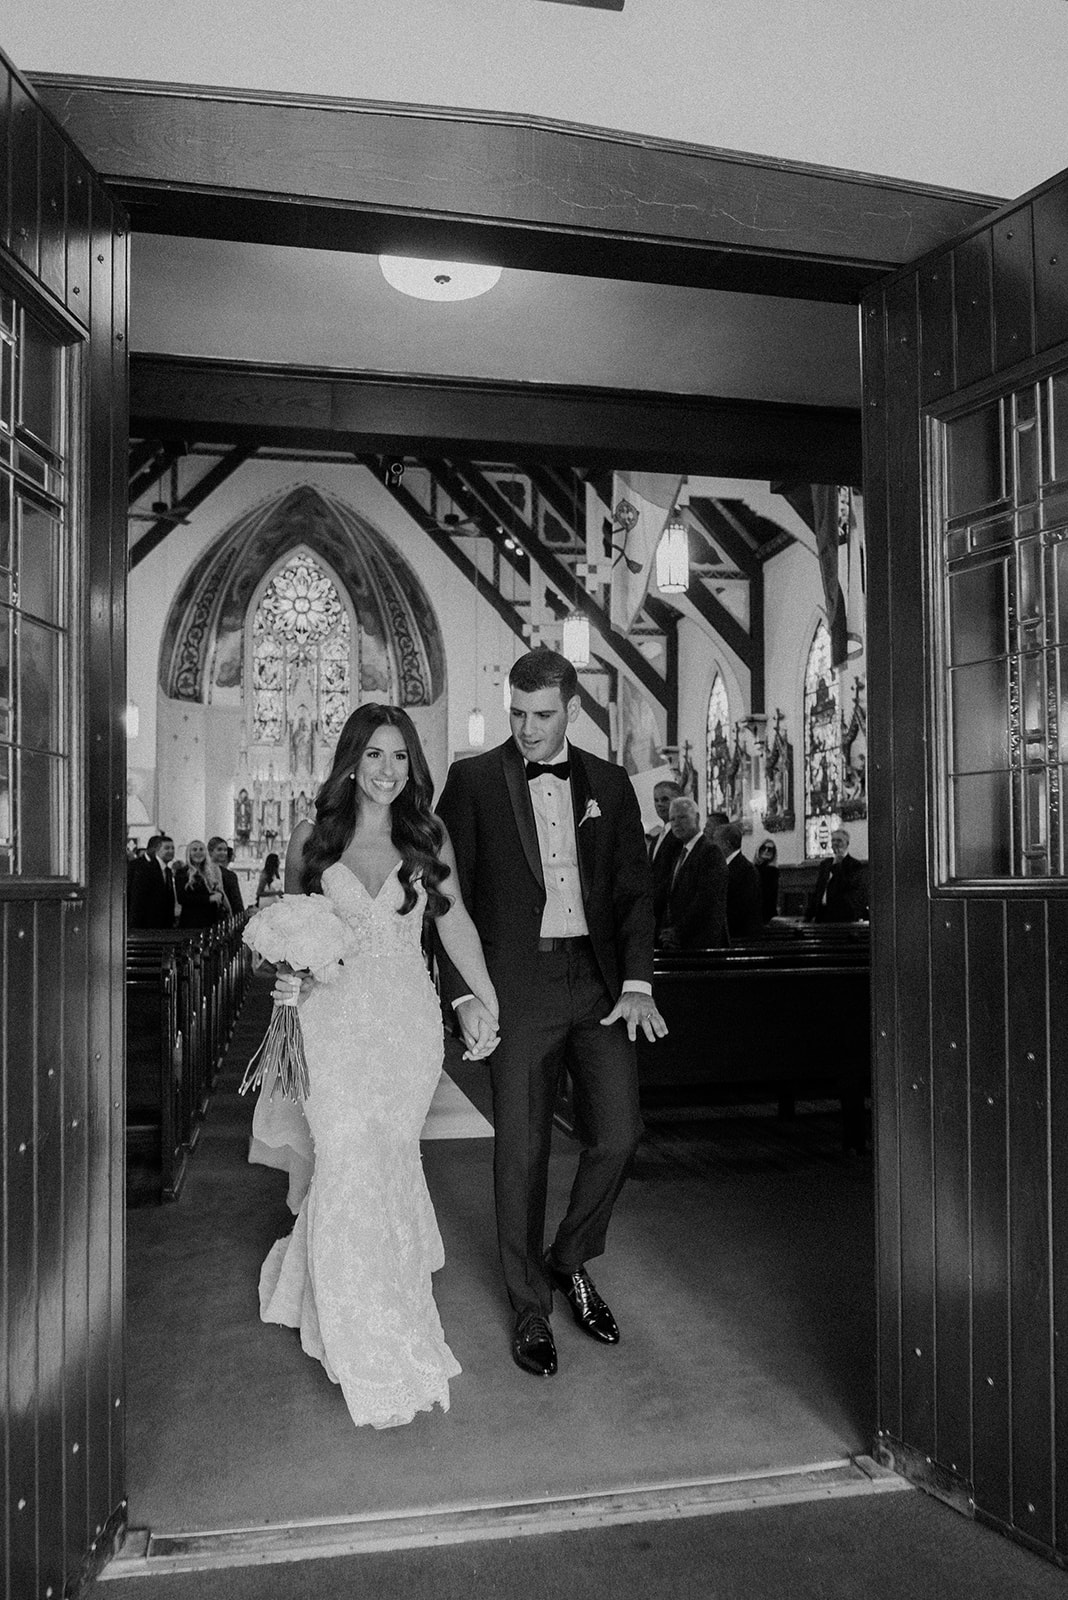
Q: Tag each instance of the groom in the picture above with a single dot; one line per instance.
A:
(553, 868)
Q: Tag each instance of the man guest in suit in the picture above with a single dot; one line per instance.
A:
(152, 900)
(663, 848)
(552, 864)
(841, 892)
(745, 918)
(695, 917)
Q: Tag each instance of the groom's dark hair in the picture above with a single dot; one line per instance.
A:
(544, 669)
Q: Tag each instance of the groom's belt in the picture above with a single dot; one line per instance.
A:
(578, 941)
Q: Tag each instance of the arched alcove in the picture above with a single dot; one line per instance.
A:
(304, 599)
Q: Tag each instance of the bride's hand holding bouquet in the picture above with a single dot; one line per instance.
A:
(304, 938)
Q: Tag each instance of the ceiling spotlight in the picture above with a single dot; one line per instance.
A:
(437, 280)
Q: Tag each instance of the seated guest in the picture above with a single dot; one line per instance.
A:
(841, 892)
(151, 888)
(744, 920)
(200, 889)
(663, 848)
(220, 853)
(768, 873)
(695, 915)
(269, 886)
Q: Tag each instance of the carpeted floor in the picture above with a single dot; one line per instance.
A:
(740, 1268)
(901, 1544)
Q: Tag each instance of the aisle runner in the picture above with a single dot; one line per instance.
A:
(452, 1116)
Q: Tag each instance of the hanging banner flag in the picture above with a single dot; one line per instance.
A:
(831, 517)
(641, 505)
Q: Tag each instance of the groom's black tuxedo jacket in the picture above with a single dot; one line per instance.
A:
(487, 809)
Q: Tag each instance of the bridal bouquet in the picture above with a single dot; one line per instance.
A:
(303, 932)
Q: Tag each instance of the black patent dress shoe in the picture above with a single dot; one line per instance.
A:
(587, 1307)
(532, 1344)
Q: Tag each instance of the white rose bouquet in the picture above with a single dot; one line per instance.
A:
(304, 933)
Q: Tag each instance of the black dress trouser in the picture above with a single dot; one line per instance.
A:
(553, 1020)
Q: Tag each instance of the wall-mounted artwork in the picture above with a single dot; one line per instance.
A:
(779, 779)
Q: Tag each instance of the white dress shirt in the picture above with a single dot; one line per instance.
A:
(564, 916)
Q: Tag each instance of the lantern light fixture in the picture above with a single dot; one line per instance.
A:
(673, 558)
(576, 642)
(476, 729)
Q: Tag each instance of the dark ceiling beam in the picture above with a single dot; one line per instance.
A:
(141, 453)
(475, 494)
(519, 190)
(226, 402)
(480, 583)
(196, 496)
(729, 537)
(721, 621)
(161, 462)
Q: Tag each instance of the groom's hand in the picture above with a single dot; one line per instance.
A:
(479, 1028)
(638, 1011)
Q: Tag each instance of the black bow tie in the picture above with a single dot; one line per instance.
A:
(539, 769)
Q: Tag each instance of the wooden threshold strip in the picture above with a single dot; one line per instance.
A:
(145, 1553)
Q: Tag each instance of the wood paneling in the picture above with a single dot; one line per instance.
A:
(223, 402)
(970, 984)
(519, 190)
(63, 253)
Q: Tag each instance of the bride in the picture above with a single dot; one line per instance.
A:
(354, 1274)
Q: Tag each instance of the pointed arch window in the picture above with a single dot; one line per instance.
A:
(301, 637)
(718, 745)
(823, 745)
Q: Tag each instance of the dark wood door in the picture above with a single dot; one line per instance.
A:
(966, 475)
(62, 805)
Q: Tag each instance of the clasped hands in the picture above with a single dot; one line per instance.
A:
(479, 1026)
(635, 1009)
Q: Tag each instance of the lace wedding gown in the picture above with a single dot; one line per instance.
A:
(354, 1275)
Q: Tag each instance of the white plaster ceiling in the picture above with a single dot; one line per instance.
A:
(319, 308)
(962, 93)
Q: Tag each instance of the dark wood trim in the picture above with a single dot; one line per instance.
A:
(521, 190)
(205, 486)
(217, 402)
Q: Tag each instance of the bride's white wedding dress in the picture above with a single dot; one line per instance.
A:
(354, 1275)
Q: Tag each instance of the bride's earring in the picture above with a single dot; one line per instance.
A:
(352, 777)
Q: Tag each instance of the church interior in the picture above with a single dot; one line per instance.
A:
(358, 476)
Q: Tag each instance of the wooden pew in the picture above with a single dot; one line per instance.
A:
(200, 978)
(772, 1019)
(156, 1148)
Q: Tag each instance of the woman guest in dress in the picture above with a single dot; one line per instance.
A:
(269, 887)
(768, 873)
(355, 1274)
(199, 888)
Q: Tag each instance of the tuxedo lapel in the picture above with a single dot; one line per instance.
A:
(585, 837)
(515, 776)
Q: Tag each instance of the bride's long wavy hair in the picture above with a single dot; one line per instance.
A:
(415, 830)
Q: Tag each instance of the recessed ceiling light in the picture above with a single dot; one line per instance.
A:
(437, 280)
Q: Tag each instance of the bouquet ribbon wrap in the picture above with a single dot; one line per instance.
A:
(304, 932)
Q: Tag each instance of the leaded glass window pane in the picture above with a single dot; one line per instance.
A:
(36, 729)
(1004, 634)
(302, 654)
(823, 746)
(719, 749)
